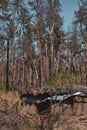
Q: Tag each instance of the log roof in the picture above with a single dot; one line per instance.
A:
(52, 90)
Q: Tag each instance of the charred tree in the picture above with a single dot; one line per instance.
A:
(7, 67)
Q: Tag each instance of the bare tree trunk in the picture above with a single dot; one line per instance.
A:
(47, 62)
(86, 63)
(14, 75)
(30, 75)
(52, 46)
(58, 59)
(23, 73)
(3, 70)
(41, 83)
(52, 55)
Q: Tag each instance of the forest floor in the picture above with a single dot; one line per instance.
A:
(14, 116)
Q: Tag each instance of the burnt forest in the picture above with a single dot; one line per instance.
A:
(43, 66)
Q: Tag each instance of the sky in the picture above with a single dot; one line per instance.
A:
(68, 8)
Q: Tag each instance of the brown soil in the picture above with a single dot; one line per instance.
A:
(14, 116)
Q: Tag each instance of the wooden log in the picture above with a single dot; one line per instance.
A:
(74, 108)
(85, 99)
(79, 109)
(85, 109)
(78, 99)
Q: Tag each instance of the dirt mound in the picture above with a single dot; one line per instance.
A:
(67, 120)
(14, 116)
